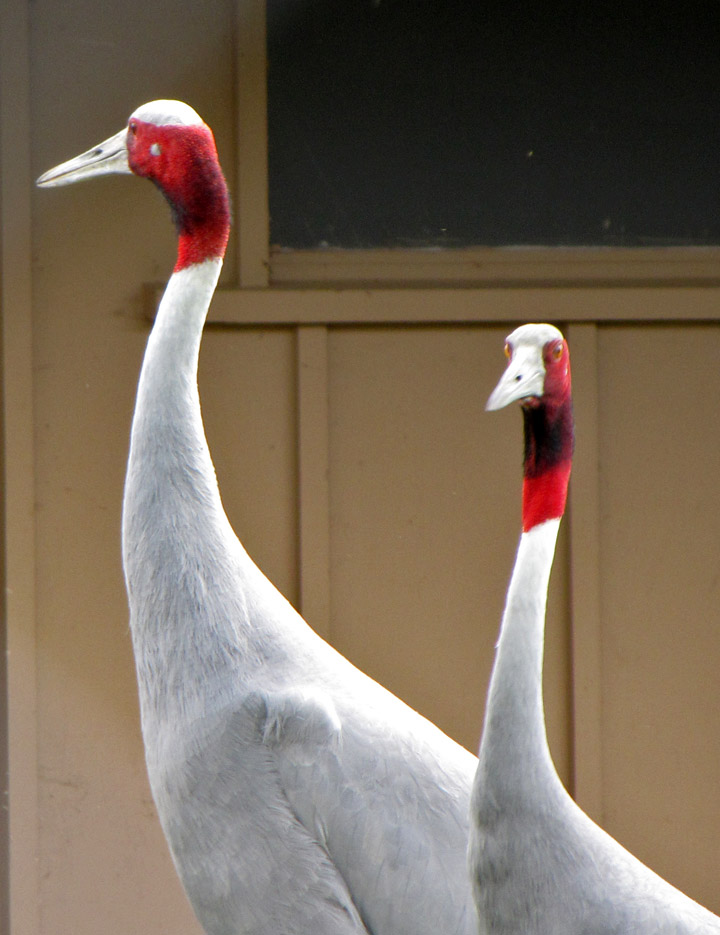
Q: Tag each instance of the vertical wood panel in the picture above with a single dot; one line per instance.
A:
(251, 203)
(584, 574)
(18, 467)
(314, 497)
(660, 593)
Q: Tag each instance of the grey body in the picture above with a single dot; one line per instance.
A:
(298, 797)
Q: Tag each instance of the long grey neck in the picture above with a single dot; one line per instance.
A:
(178, 547)
(514, 755)
(169, 457)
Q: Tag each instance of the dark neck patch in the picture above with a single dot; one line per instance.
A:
(549, 436)
(549, 442)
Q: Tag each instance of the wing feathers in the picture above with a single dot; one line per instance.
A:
(299, 716)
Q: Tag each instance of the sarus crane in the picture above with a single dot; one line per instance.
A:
(539, 865)
(297, 796)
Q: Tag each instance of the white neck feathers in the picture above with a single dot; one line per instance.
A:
(169, 468)
(176, 536)
(514, 743)
(181, 315)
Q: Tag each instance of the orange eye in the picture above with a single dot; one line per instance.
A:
(508, 350)
(557, 352)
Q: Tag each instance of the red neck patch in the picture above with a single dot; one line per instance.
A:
(545, 495)
(182, 161)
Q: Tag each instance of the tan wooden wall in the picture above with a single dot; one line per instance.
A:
(343, 398)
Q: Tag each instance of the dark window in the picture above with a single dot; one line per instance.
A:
(454, 122)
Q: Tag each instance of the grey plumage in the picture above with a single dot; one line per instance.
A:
(539, 865)
(298, 797)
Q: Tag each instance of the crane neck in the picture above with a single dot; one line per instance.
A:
(514, 750)
(176, 537)
(514, 753)
(168, 446)
(177, 541)
(549, 442)
(192, 181)
(202, 223)
(170, 471)
(177, 332)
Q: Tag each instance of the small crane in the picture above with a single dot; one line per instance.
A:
(539, 865)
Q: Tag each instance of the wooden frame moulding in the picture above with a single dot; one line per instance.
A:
(464, 304)
(21, 901)
(478, 266)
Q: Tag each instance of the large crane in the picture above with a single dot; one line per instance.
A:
(297, 795)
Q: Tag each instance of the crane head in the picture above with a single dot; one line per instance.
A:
(168, 143)
(129, 151)
(538, 376)
(538, 368)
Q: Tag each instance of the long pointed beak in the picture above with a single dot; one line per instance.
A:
(108, 157)
(523, 378)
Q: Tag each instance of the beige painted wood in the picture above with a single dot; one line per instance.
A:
(20, 906)
(249, 394)
(313, 476)
(660, 591)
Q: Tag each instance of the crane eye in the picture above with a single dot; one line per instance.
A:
(557, 352)
(132, 127)
(508, 350)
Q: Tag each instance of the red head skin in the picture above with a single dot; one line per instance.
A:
(182, 161)
(549, 440)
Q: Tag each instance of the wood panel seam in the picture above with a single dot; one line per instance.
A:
(313, 476)
(584, 543)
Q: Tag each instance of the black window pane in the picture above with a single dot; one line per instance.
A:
(452, 122)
